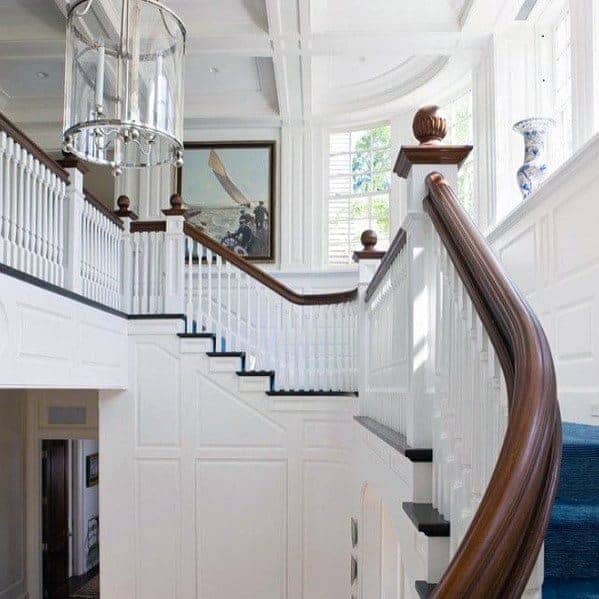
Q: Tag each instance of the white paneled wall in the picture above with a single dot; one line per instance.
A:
(549, 247)
(210, 490)
(12, 495)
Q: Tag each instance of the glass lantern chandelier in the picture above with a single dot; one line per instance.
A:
(124, 84)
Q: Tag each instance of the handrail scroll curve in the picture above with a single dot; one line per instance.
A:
(499, 550)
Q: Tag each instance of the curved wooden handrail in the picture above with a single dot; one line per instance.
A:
(26, 142)
(498, 552)
(100, 207)
(264, 278)
(398, 244)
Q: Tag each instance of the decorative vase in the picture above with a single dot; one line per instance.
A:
(534, 170)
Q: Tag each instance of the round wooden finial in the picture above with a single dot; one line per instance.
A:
(123, 202)
(176, 201)
(369, 239)
(429, 127)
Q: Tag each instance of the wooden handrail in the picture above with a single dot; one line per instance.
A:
(148, 226)
(264, 278)
(498, 552)
(26, 142)
(100, 207)
(398, 244)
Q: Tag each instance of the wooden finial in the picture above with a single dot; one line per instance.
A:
(369, 240)
(429, 127)
(176, 201)
(124, 204)
(177, 208)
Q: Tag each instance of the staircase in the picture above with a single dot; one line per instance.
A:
(572, 542)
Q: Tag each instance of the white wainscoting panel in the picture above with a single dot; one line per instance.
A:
(51, 341)
(227, 492)
(549, 246)
(242, 528)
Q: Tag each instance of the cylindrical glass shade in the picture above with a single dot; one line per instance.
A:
(124, 83)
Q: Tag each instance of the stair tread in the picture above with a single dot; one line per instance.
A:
(572, 588)
(395, 440)
(575, 434)
(427, 519)
(424, 589)
(567, 512)
(311, 392)
(226, 354)
(269, 373)
(197, 335)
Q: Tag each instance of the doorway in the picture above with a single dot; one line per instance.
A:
(70, 519)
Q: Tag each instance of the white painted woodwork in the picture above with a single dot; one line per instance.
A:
(210, 490)
(310, 347)
(549, 247)
(470, 403)
(32, 200)
(48, 340)
(101, 247)
(12, 495)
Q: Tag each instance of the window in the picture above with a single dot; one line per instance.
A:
(359, 174)
(562, 89)
(461, 132)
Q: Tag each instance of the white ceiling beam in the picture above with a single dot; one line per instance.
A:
(282, 68)
(305, 30)
(257, 45)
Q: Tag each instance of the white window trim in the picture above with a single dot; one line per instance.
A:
(327, 264)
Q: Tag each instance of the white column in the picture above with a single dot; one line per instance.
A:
(174, 266)
(584, 18)
(73, 230)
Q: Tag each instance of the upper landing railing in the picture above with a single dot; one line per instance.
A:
(458, 361)
(54, 230)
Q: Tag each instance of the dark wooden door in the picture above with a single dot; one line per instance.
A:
(55, 516)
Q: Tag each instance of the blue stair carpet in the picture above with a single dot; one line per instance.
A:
(572, 542)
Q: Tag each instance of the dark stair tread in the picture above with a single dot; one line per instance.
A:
(426, 519)
(395, 440)
(226, 354)
(572, 588)
(424, 589)
(197, 335)
(312, 392)
(269, 373)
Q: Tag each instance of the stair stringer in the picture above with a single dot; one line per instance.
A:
(395, 479)
(253, 501)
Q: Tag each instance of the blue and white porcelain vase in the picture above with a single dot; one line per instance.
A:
(534, 170)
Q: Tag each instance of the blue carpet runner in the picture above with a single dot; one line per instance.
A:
(572, 542)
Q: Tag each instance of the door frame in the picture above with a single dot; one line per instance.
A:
(33, 487)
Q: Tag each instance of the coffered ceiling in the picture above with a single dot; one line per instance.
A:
(267, 61)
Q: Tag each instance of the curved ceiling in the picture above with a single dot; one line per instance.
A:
(264, 61)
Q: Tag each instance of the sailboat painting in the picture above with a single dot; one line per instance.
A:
(228, 189)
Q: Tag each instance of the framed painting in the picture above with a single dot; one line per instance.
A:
(229, 190)
(91, 470)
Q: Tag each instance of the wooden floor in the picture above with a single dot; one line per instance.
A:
(77, 582)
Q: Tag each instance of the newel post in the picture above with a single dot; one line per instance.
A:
(368, 260)
(414, 164)
(73, 215)
(127, 216)
(174, 257)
